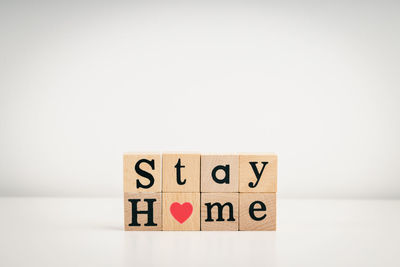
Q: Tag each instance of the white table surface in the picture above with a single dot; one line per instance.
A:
(89, 232)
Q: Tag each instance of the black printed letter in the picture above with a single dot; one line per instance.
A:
(220, 208)
(252, 209)
(178, 167)
(258, 174)
(149, 212)
(144, 173)
(225, 169)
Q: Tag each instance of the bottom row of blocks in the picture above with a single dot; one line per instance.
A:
(200, 211)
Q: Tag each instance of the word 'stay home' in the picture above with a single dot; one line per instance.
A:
(179, 192)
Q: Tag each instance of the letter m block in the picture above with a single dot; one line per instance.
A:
(219, 211)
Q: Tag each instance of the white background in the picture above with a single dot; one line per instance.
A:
(317, 82)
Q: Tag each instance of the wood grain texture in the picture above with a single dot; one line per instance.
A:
(209, 163)
(142, 205)
(246, 223)
(247, 175)
(208, 201)
(131, 176)
(189, 173)
(170, 223)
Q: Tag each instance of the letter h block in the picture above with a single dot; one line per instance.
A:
(142, 192)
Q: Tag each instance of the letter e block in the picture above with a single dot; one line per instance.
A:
(142, 173)
(219, 211)
(142, 211)
(257, 211)
(258, 173)
(181, 173)
(219, 173)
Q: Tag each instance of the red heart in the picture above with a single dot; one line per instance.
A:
(181, 212)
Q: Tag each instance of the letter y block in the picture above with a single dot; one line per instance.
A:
(258, 173)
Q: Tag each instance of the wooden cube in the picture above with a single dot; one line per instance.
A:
(257, 211)
(142, 173)
(181, 211)
(258, 173)
(142, 211)
(219, 173)
(181, 173)
(219, 211)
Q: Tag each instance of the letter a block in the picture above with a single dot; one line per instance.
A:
(258, 173)
(181, 211)
(257, 211)
(219, 211)
(142, 173)
(219, 173)
(142, 211)
(181, 173)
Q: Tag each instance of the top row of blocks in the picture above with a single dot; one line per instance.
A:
(200, 173)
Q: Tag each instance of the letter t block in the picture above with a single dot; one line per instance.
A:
(181, 173)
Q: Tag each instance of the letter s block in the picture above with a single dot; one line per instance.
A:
(142, 173)
(142, 212)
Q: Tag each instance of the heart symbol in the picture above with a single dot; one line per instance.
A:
(181, 212)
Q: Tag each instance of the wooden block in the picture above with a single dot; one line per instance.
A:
(181, 211)
(257, 211)
(181, 173)
(219, 211)
(142, 211)
(142, 173)
(219, 173)
(258, 173)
